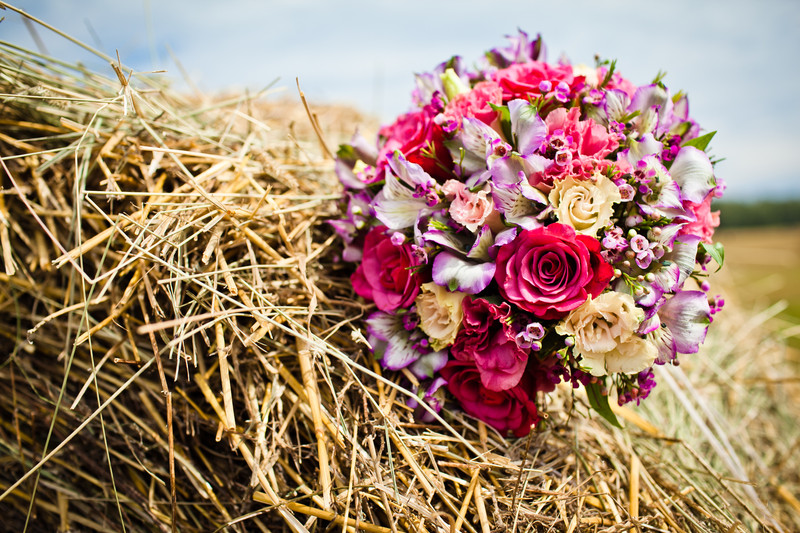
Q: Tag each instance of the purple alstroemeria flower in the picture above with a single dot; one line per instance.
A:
(520, 50)
(675, 267)
(427, 393)
(654, 105)
(357, 215)
(477, 247)
(360, 150)
(693, 172)
(661, 115)
(681, 123)
(447, 239)
(472, 145)
(527, 127)
(640, 148)
(429, 364)
(611, 108)
(663, 195)
(514, 197)
(461, 274)
(685, 318)
(666, 235)
(393, 342)
(430, 83)
(482, 248)
(408, 194)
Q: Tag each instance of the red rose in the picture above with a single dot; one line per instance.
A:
(509, 410)
(486, 339)
(387, 273)
(550, 271)
(417, 137)
(522, 79)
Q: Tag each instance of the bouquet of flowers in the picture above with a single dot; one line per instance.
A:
(529, 223)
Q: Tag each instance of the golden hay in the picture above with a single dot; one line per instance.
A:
(183, 351)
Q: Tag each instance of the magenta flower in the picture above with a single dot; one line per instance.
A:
(386, 275)
(486, 339)
(414, 135)
(550, 271)
(534, 200)
(511, 410)
(522, 79)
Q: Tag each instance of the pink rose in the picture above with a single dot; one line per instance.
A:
(523, 79)
(581, 137)
(475, 103)
(550, 271)
(486, 339)
(508, 410)
(577, 147)
(387, 273)
(705, 220)
(582, 168)
(418, 138)
(470, 209)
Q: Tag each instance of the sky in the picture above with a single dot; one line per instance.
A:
(737, 59)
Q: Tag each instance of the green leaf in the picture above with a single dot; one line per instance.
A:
(599, 403)
(609, 73)
(630, 116)
(716, 251)
(505, 118)
(701, 143)
(346, 153)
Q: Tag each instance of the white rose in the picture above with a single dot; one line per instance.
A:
(604, 329)
(586, 205)
(440, 314)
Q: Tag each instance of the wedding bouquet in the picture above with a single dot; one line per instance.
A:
(529, 223)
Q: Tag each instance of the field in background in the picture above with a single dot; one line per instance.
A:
(737, 214)
(762, 270)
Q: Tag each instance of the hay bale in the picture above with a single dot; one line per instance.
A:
(183, 349)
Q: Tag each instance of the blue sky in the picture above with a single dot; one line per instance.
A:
(736, 59)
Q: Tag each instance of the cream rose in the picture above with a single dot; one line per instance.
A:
(440, 314)
(586, 205)
(604, 329)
